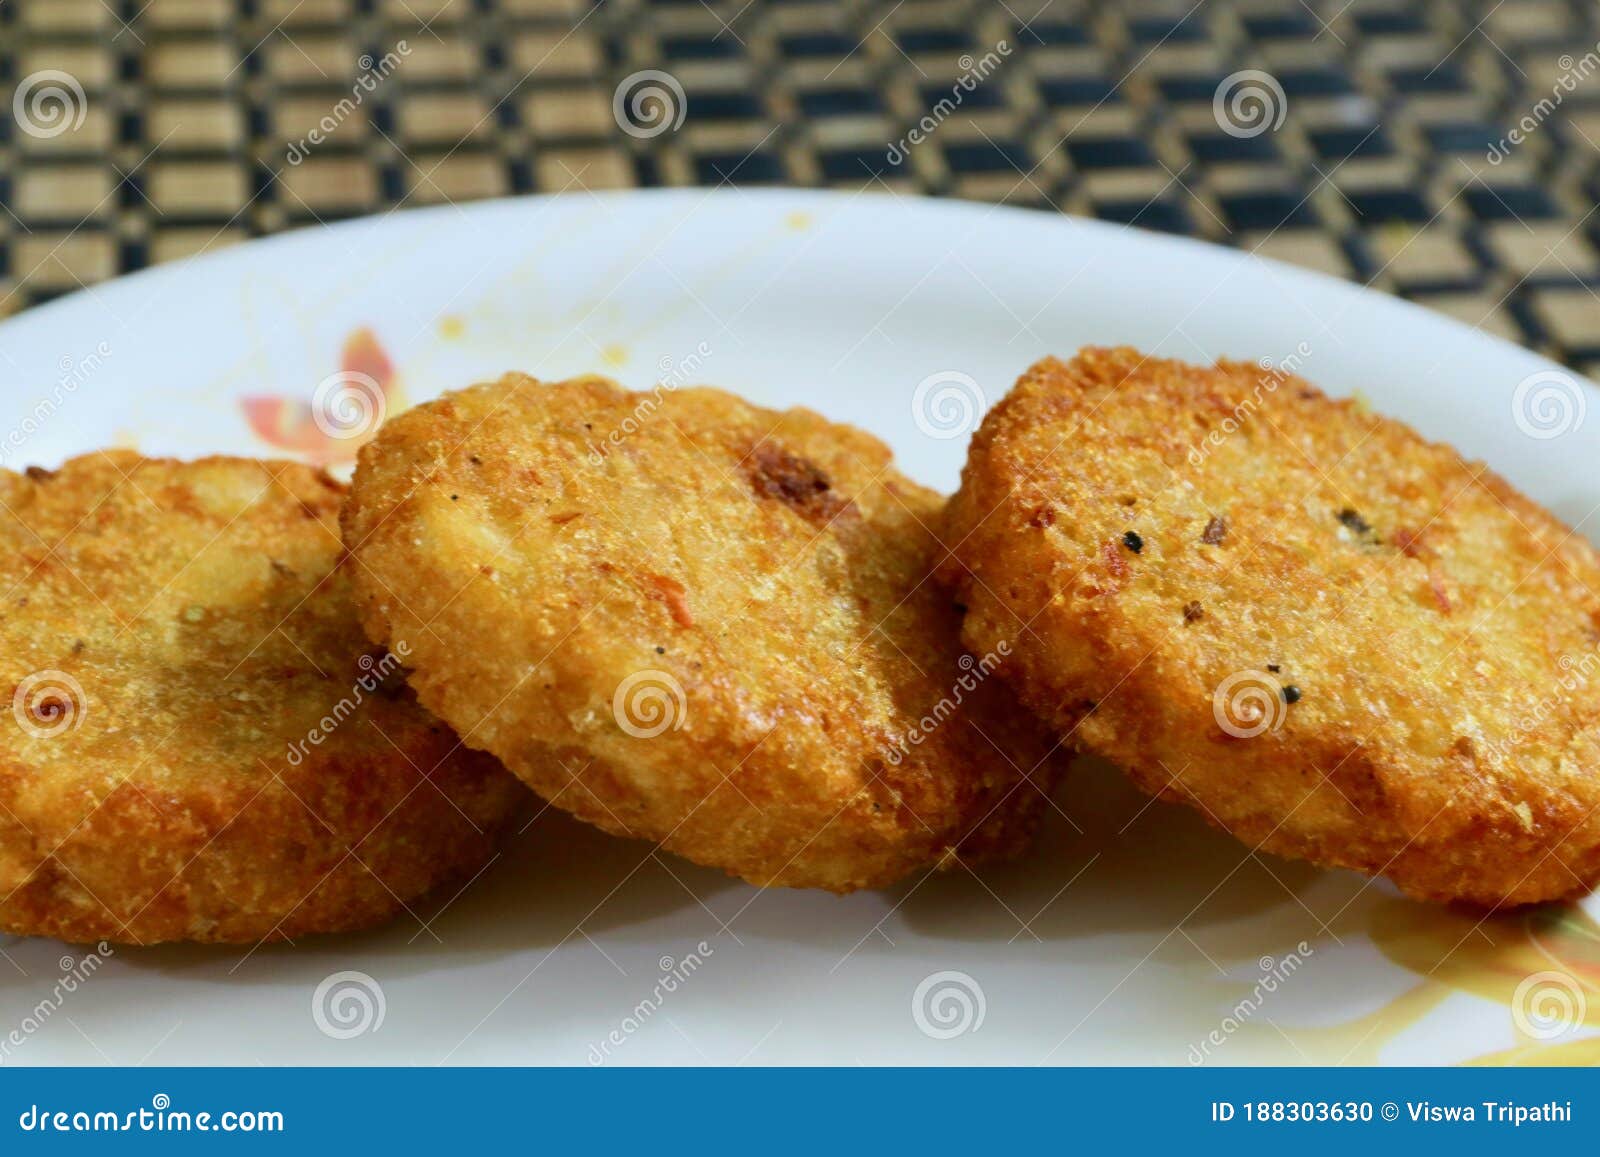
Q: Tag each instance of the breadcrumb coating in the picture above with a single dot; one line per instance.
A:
(199, 743)
(1334, 639)
(717, 616)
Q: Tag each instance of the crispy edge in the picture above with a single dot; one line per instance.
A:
(225, 862)
(873, 838)
(1357, 817)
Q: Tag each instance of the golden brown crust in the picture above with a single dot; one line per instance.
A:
(716, 614)
(1438, 632)
(170, 634)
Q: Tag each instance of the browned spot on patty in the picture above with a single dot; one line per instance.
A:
(1437, 588)
(673, 593)
(1411, 544)
(796, 482)
(1114, 561)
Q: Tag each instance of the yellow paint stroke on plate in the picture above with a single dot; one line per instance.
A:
(501, 314)
(1491, 956)
(1542, 964)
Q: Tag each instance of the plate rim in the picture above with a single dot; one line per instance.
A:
(785, 198)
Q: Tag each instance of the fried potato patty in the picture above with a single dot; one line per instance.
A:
(1334, 639)
(716, 615)
(200, 743)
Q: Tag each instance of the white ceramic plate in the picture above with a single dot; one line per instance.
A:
(1144, 938)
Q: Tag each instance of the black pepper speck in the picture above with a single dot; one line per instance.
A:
(1291, 694)
(1133, 542)
(1354, 522)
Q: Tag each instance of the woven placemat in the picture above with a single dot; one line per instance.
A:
(1442, 151)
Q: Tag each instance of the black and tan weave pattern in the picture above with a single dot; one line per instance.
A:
(1383, 170)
